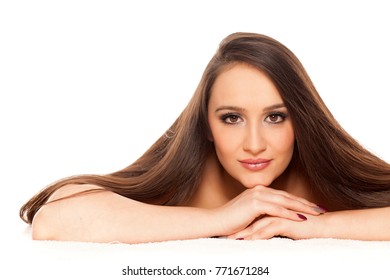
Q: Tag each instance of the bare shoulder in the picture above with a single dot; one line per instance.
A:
(72, 189)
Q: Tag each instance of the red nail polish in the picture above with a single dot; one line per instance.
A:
(240, 238)
(302, 217)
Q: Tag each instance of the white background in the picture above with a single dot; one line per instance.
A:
(88, 86)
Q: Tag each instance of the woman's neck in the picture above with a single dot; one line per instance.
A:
(295, 181)
(217, 187)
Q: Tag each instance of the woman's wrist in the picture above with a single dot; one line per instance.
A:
(328, 225)
(217, 222)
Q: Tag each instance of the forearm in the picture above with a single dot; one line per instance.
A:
(107, 217)
(162, 223)
(367, 224)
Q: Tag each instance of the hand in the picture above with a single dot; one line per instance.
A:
(268, 227)
(259, 202)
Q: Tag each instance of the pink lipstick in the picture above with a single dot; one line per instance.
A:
(255, 164)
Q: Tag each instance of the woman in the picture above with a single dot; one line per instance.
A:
(252, 156)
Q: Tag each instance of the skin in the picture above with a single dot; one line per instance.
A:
(247, 109)
(232, 200)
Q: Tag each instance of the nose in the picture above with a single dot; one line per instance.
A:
(254, 141)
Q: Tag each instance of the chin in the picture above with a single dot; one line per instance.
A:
(253, 183)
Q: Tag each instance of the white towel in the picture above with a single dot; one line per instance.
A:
(217, 258)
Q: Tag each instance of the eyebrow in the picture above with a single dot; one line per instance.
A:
(239, 109)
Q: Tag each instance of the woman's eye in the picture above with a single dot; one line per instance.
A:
(231, 119)
(275, 118)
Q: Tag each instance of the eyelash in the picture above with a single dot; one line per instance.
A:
(226, 116)
(282, 115)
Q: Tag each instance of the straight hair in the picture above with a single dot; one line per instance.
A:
(337, 167)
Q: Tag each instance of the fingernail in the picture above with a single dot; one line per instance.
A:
(320, 209)
(240, 238)
(302, 217)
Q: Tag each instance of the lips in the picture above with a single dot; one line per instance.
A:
(255, 164)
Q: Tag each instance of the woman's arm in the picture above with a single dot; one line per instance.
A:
(104, 216)
(367, 224)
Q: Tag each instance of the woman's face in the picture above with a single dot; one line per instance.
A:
(250, 126)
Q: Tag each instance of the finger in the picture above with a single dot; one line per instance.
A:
(263, 229)
(297, 198)
(276, 210)
(288, 201)
(293, 204)
(266, 233)
(289, 195)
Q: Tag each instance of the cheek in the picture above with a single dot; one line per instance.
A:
(282, 141)
(226, 140)
(225, 143)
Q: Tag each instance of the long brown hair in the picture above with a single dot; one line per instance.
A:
(338, 168)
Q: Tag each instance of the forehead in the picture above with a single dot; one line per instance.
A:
(242, 85)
